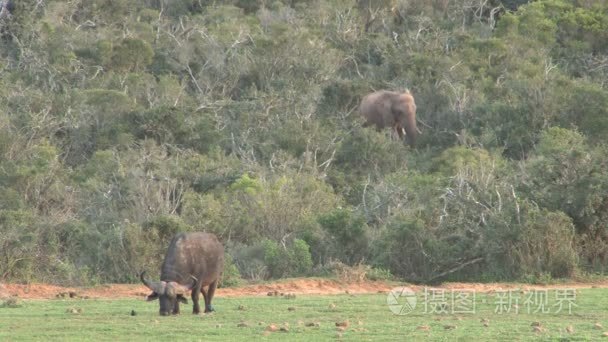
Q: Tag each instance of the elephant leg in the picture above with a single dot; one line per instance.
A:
(210, 293)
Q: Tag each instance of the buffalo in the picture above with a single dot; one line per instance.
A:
(193, 261)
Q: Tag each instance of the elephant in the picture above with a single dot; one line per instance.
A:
(386, 108)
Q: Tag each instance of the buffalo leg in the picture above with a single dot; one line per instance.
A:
(205, 296)
(176, 308)
(209, 297)
(195, 296)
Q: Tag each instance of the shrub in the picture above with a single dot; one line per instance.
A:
(347, 233)
(249, 260)
(568, 175)
(287, 262)
(231, 276)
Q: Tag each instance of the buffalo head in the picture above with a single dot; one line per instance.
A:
(168, 293)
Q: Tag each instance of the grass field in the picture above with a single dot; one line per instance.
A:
(369, 319)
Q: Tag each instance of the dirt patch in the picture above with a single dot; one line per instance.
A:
(3, 292)
(292, 286)
(307, 286)
(45, 291)
(296, 286)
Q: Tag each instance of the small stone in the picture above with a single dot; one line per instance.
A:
(343, 324)
(272, 328)
(597, 326)
(570, 329)
(291, 308)
(424, 328)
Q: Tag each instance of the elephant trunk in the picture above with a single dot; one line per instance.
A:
(411, 132)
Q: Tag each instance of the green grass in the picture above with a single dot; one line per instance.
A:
(369, 317)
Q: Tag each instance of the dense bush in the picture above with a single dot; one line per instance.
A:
(124, 122)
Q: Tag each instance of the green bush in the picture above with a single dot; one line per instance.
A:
(568, 175)
(165, 227)
(132, 55)
(249, 260)
(347, 235)
(378, 273)
(287, 262)
(231, 276)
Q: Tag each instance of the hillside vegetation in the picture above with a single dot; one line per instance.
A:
(123, 122)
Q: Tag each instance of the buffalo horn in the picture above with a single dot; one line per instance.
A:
(183, 289)
(152, 285)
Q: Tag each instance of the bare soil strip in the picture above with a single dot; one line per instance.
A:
(291, 286)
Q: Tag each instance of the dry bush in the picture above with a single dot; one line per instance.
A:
(346, 273)
(11, 302)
